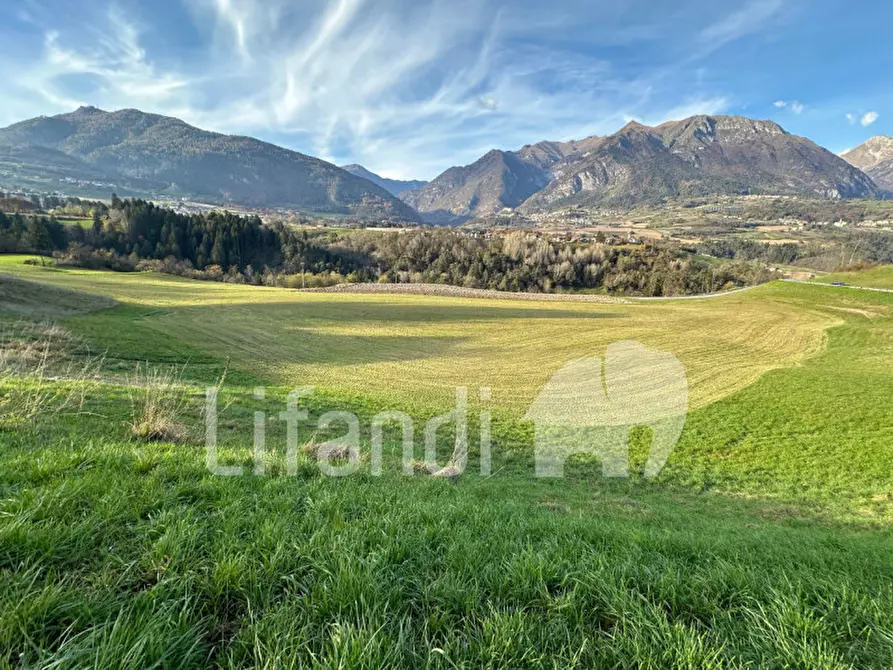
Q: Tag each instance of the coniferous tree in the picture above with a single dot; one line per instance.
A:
(38, 238)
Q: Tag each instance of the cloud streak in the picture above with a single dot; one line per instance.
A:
(750, 18)
(406, 88)
(115, 63)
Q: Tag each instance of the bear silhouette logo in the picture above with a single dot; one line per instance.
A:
(590, 406)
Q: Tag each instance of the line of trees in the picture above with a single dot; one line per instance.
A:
(137, 235)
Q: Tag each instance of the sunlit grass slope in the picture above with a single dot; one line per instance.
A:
(879, 277)
(788, 382)
(765, 543)
(416, 349)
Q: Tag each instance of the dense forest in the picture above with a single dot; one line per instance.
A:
(134, 235)
(750, 250)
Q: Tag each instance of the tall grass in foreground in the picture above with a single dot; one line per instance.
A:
(158, 404)
(43, 369)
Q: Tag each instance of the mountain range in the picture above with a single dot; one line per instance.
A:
(92, 152)
(701, 155)
(165, 157)
(392, 186)
(498, 180)
(875, 158)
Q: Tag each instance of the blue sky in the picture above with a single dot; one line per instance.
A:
(411, 87)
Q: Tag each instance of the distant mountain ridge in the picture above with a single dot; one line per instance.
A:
(700, 155)
(875, 158)
(497, 180)
(164, 155)
(157, 156)
(392, 186)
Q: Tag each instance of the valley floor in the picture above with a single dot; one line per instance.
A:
(765, 542)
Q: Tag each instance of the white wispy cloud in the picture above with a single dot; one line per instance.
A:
(746, 20)
(869, 118)
(115, 59)
(352, 84)
(852, 118)
(406, 88)
(689, 108)
(233, 16)
(795, 106)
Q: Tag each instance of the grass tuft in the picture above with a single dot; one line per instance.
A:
(159, 403)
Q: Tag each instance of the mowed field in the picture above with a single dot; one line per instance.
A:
(765, 542)
(879, 277)
(414, 351)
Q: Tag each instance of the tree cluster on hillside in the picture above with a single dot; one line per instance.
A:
(750, 250)
(35, 203)
(75, 207)
(31, 234)
(137, 235)
(17, 204)
(874, 246)
(813, 210)
(523, 261)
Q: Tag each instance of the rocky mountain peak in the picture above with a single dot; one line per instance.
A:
(698, 156)
(869, 154)
(743, 124)
(875, 157)
(88, 110)
(730, 129)
(633, 126)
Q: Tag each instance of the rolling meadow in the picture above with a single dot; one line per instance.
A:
(876, 277)
(764, 542)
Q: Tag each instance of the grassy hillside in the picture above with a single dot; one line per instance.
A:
(764, 543)
(879, 277)
(416, 349)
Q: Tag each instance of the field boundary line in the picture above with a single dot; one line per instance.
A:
(450, 291)
(857, 288)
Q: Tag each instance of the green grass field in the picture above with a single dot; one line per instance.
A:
(878, 277)
(765, 542)
(75, 221)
